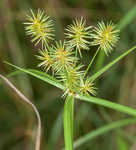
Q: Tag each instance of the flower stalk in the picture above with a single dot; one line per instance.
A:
(89, 66)
(68, 118)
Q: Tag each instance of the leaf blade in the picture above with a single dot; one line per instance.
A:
(126, 20)
(106, 103)
(40, 75)
(97, 74)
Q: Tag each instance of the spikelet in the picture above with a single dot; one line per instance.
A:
(78, 35)
(105, 36)
(87, 87)
(46, 60)
(71, 78)
(39, 27)
(63, 56)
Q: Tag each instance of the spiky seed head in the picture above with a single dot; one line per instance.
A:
(71, 78)
(46, 60)
(87, 87)
(63, 56)
(78, 34)
(39, 27)
(106, 36)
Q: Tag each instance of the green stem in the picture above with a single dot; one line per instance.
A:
(68, 122)
(91, 62)
(99, 62)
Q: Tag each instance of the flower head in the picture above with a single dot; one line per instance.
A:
(78, 34)
(71, 78)
(47, 60)
(106, 36)
(63, 56)
(40, 27)
(87, 87)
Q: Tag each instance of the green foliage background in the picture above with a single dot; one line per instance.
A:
(18, 123)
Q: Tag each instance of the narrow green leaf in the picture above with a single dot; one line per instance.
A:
(122, 143)
(49, 79)
(40, 75)
(105, 103)
(102, 130)
(14, 73)
(127, 18)
(97, 74)
(68, 122)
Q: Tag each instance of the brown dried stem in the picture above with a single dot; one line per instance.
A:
(26, 100)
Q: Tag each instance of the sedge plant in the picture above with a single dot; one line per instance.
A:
(62, 59)
(61, 62)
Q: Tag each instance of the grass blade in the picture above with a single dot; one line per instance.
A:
(127, 18)
(48, 79)
(102, 130)
(122, 143)
(68, 122)
(105, 103)
(40, 75)
(97, 74)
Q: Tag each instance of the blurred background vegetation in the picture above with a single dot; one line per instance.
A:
(17, 121)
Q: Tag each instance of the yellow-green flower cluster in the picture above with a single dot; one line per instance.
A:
(78, 35)
(87, 87)
(46, 60)
(40, 27)
(105, 36)
(61, 58)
